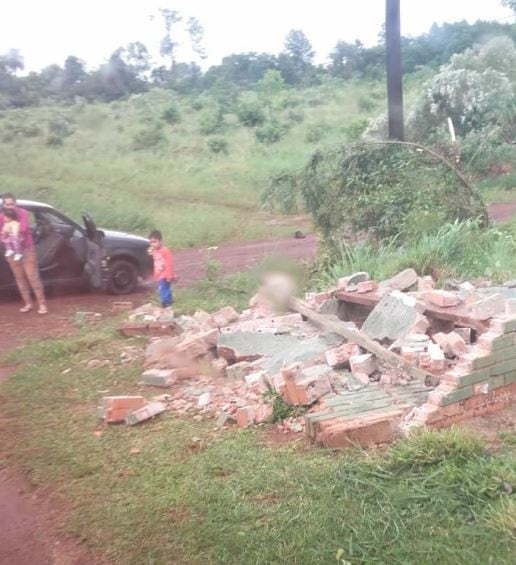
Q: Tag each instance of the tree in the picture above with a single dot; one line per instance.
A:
(136, 56)
(11, 62)
(510, 4)
(297, 57)
(272, 83)
(196, 33)
(73, 72)
(347, 59)
(168, 45)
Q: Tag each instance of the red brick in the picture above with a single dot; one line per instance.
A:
(245, 416)
(367, 286)
(442, 298)
(340, 355)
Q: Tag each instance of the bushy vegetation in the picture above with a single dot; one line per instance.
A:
(461, 250)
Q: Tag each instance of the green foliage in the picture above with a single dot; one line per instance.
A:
(296, 116)
(374, 191)
(149, 138)
(172, 115)
(461, 250)
(218, 145)
(251, 113)
(60, 126)
(272, 83)
(54, 140)
(316, 132)
(270, 133)
(211, 121)
(366, 103)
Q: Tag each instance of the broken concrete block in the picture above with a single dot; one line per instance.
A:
(339, 356)
(329, 307)
(437, 360)
(245, 416)
(225, 316)
(250, 346)
(466, 287)
(145, 413)
(222, 419)
(392, 318)
(510, 306)
(364, 364)
(402, 281)
(488, 307)
(238, 371)
(442, 298)
(159, 377)
(421, 325)
(257, 381)
(204, 320)
(115, 408)
(220, 367)
(342, 283)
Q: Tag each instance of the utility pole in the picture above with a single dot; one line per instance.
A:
(394, 80)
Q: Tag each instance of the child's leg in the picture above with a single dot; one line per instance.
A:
(9, 244)
(16, 242)
(165, 293)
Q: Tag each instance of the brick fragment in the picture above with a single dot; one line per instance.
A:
(437, 360)
(302, 388)
(245, 416)
(339, 356)
(367, 286)
(365, 364)
(443, 298)
(465, 334)
(145, 413)
(159, 377)
(115, 408)
(224, 317)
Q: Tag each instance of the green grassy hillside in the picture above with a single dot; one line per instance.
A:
(132, 170)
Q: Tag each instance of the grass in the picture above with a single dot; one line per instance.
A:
(461, 249)
(235, 497)
(178, 184)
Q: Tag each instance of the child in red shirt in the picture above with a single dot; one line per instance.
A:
(163, 268)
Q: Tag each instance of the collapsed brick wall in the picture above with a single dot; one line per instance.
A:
(483, 381)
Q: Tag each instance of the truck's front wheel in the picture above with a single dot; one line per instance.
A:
(123, 277)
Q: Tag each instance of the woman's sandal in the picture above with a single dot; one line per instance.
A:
(26, 308)
(43, 310)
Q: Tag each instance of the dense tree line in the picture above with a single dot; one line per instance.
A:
(129, 70)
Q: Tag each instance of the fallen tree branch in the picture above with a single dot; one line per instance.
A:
(358, 337)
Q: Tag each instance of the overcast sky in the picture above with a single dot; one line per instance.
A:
(47, 31)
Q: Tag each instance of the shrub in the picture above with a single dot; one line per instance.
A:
(315, 133)
(365, 103)
(374, 192)
(250, 113)
(60, 126)
(296, 116)
(54, 140)
(218, 145)
(211, 121)
(172, 115)
(269, 133)
(197, 104)
(149, 138)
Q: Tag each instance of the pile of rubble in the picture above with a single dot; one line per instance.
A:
(362, 362)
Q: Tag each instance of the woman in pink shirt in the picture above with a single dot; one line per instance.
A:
(25, 268)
